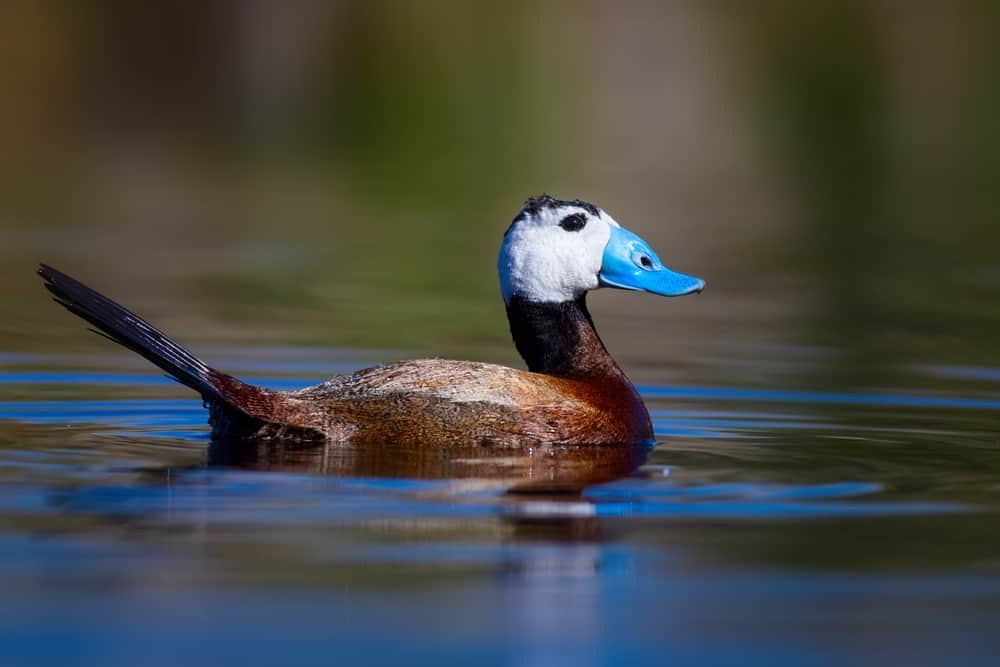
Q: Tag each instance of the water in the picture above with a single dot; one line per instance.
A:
(767, 526)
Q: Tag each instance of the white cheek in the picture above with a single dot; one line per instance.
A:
(550, 265)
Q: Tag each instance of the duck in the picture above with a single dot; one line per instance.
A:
(572, 392)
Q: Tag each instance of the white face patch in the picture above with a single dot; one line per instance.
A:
(544, 262)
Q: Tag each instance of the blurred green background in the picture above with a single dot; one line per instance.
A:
(340, 173)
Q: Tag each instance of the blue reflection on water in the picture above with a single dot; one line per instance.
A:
(827, 398)
(116, 379)
(133, 413)
(963, 372)
(302, 500)
(527, 614)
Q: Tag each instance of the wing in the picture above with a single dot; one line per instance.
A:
(440, 401)
(454, 381)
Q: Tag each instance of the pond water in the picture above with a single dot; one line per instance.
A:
(768, 525)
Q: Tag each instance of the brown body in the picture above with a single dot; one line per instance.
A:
(446, 402)
(573, 393)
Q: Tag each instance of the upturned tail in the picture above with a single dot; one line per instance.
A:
(228, 398)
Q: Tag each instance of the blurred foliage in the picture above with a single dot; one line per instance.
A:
(340, 173)
(878, 112)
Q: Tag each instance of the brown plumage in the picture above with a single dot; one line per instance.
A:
(573, 394)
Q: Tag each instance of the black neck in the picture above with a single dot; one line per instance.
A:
(558, 338)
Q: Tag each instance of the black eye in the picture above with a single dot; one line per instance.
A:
(646, 262)
(574, 222)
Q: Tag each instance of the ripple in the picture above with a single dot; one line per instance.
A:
(827, 398)
(140, 414)
(239, 498)
(963, 372)
(138, 379)
(647, 391)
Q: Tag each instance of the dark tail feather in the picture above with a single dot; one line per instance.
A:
(126, 328)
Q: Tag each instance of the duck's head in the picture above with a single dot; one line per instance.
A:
(557, 250)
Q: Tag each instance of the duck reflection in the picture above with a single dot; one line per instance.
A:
(550, 528)
(537, 469)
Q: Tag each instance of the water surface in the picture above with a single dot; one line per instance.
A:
(767, 526)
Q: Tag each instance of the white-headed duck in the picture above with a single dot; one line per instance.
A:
(573, 392)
